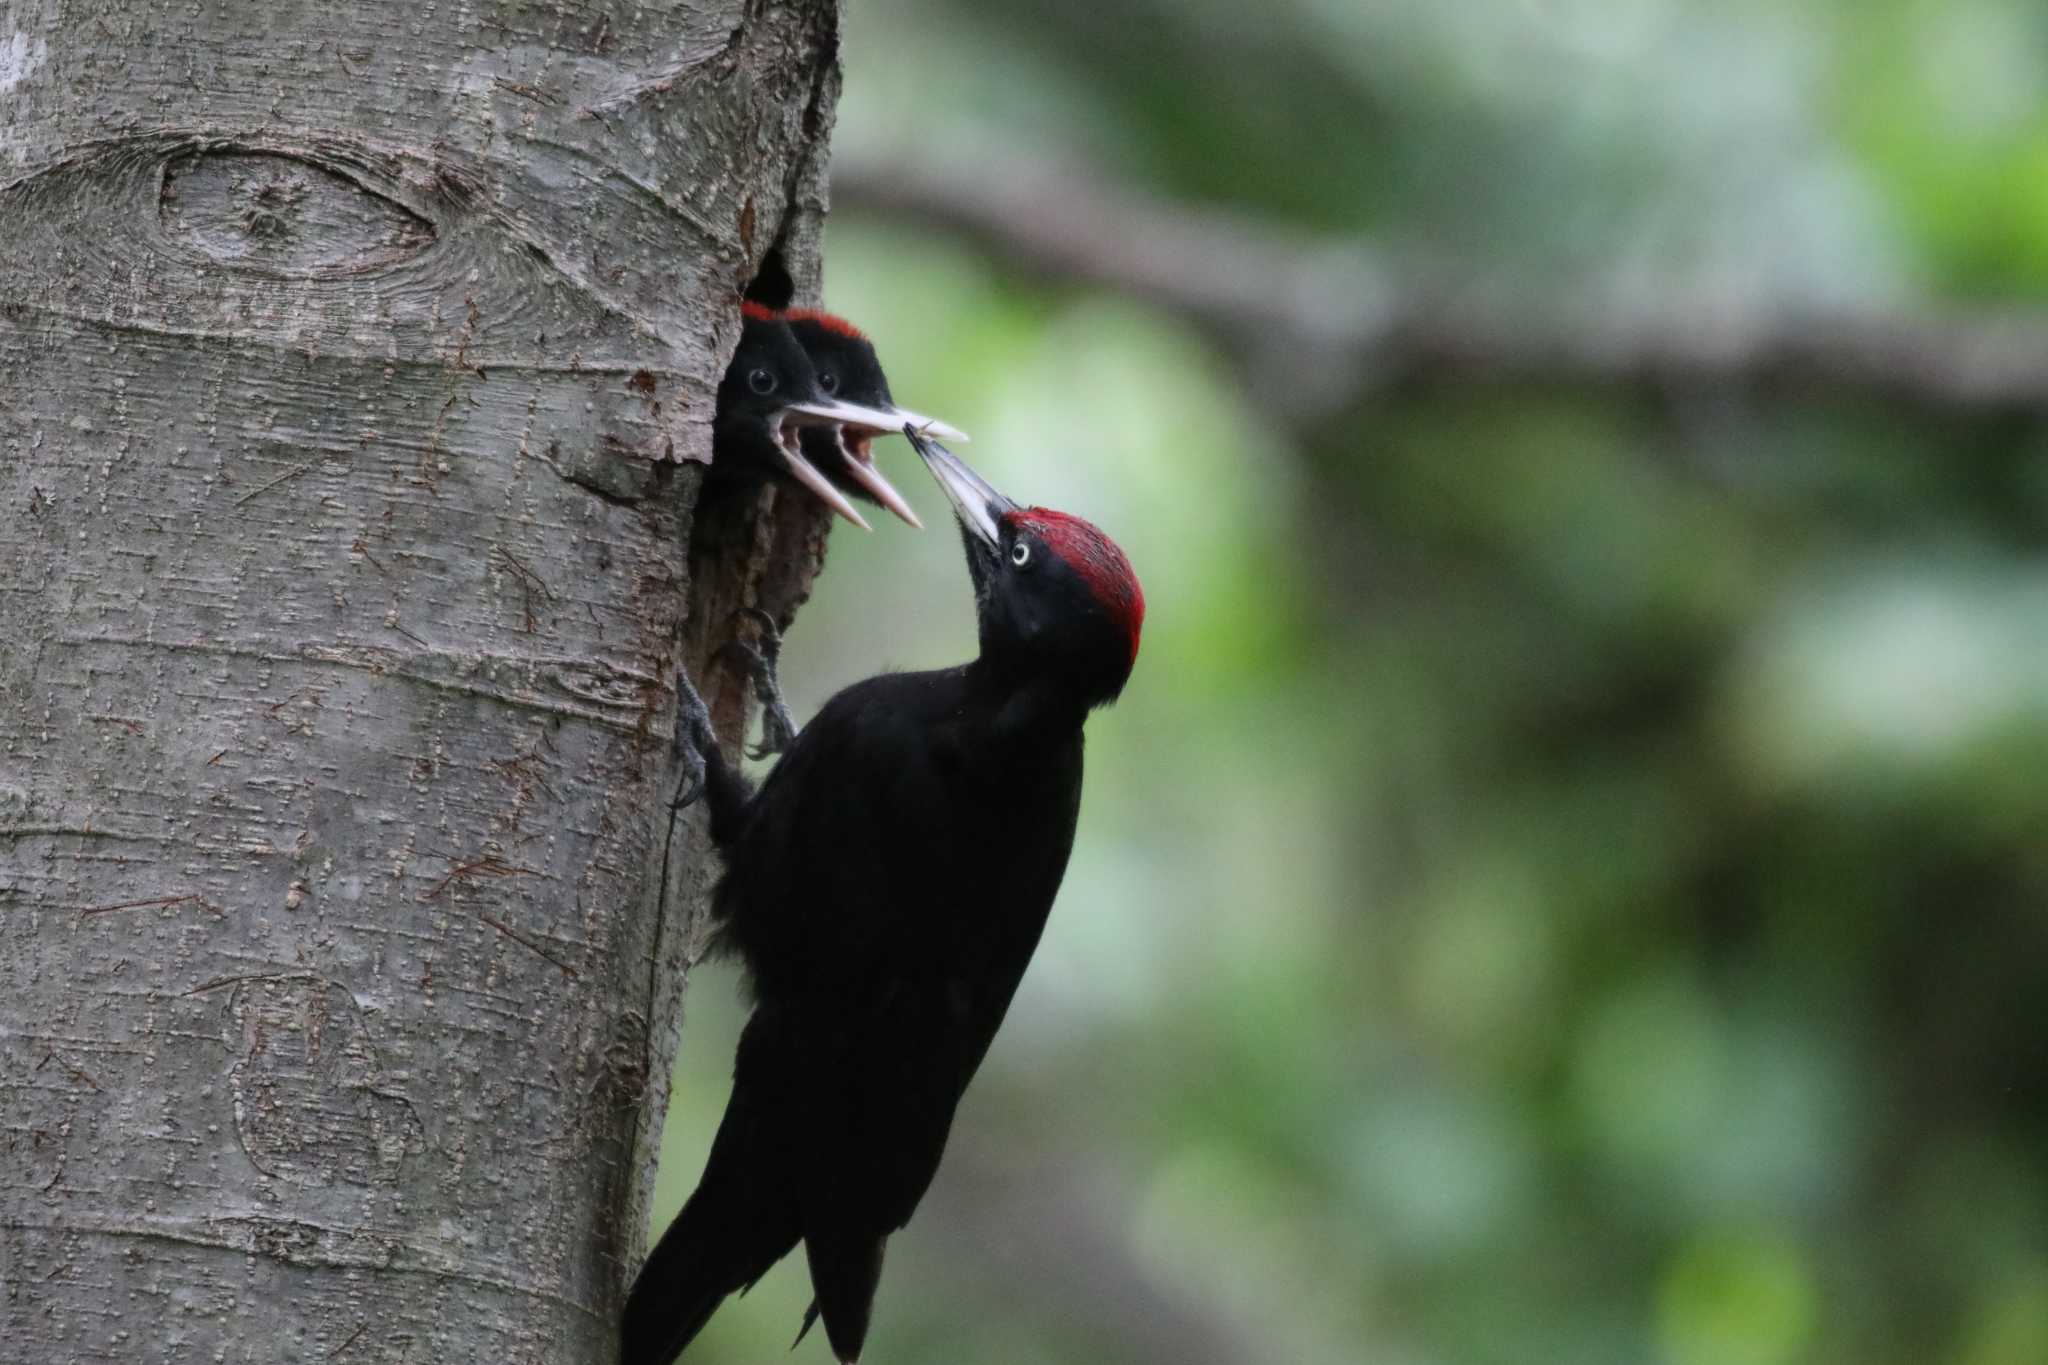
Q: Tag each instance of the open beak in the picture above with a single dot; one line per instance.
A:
(857, 424)
(975, 501)
(855, 447)
(790, 443)
(830, 412)
(855, 444)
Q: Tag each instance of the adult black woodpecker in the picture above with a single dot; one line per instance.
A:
(767, 399)
(885, 890)
(849, 369)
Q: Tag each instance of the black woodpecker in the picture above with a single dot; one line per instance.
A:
(885, 890)
(769, 396)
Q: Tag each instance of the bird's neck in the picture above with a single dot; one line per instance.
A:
(1024, 705)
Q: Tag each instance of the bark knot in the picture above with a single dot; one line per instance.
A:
(308, 1104)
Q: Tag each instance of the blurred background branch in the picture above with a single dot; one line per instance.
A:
(1321, 320)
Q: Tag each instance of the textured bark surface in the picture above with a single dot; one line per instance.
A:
(352, 364)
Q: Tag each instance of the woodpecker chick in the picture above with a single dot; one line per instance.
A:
(849, 369)
(885, 935)
(768, 397)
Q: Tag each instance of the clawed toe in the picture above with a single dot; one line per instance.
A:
(778, 726)
(693, 739)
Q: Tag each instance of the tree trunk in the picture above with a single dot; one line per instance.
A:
(353, 361)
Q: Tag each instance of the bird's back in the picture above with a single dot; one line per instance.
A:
(887, 892)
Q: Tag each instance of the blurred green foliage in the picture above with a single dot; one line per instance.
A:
(1569, 879)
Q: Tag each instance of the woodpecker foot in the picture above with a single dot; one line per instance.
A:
(778, 727)
(693, 739)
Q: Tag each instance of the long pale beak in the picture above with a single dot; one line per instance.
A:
(789, 443)
(860, 467)
(861, 463)
(975, 500)
(877, 421)
(929, 426)
(819, 411)
(864, 421)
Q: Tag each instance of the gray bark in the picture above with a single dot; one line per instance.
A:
(353, 361)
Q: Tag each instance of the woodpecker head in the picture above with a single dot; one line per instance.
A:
(769, 395)
(848, 369)
(1053, 593)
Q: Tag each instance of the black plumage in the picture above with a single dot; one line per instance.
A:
(886, 889)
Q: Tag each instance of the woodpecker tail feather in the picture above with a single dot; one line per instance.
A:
(845, 1268)
(716, 1247)
(740, 1222)
(810, 1321)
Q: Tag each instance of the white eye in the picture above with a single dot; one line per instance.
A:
(1020, 554)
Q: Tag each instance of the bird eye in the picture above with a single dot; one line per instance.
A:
(760, 381)
(1020, 554)
(828, 381)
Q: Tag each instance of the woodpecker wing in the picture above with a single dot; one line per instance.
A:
(889, 898)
